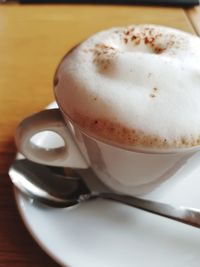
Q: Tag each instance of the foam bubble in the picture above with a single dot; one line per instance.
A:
(137, 85)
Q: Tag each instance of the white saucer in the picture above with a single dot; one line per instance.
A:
(107, 234)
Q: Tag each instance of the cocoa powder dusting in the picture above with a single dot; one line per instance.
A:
(146, 40)
(114, 132)
(158, 50)
(154, 92)
(133, 38)
(125, 40)
(102, 55)
(152, 95)
(154, 40)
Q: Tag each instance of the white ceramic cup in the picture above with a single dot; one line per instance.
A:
(130, 171)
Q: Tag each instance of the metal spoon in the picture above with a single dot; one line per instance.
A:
(54, 187)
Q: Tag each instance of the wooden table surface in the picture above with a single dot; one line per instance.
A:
(194, 17)
(33, 38)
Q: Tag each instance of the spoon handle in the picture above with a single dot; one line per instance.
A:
(185, 215)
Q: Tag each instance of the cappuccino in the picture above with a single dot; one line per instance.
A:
(135, 86)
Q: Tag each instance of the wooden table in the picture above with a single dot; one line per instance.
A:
(33, 38)
(194, 16)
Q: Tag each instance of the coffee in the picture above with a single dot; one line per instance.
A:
(136, 86)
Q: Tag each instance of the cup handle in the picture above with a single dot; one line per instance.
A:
(48, 120)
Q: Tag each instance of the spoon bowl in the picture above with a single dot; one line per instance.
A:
(65, 187)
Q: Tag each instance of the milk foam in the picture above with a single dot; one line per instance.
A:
(136, 85)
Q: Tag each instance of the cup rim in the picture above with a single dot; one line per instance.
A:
(136, 149)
